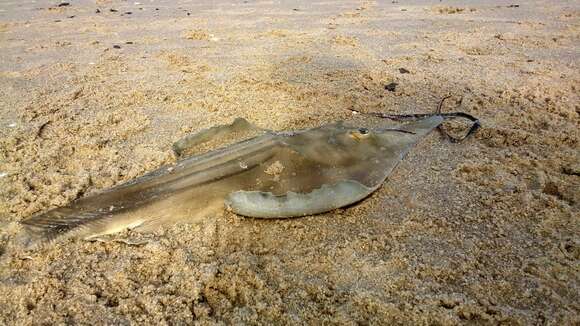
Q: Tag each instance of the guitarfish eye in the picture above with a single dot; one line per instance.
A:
(363, 131)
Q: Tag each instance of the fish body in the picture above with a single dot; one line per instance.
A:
(271, 175)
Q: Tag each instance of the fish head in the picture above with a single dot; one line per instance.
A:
(338, 144)
(365, 155)
(402, 137)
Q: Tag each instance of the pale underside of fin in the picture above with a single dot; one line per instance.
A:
(326, 198)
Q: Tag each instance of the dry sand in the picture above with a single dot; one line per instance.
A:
(482, 232)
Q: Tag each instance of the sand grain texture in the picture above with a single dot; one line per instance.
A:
(483, 232)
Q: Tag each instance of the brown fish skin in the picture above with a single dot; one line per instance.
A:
(278, 175)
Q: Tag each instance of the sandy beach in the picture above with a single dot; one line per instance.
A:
(485, 232)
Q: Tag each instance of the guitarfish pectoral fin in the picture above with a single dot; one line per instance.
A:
(326, 198)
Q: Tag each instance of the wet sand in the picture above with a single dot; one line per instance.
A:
(483, 232)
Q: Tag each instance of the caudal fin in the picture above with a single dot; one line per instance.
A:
(58, 223)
